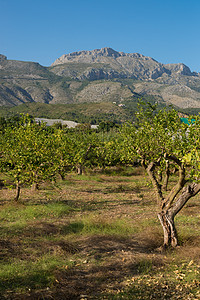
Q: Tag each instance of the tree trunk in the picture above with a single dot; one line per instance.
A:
(169, 230)
(35, 186)
(166, 218)
(160, 176)
(17, 191)
(79, 170)
(174, 202)
(166, 179)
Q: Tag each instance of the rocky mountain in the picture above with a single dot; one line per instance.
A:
(114, 64)
(98, 76)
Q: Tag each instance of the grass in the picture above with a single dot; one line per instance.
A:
(97, 225)
(96, 235)
(24, 275)
(31, 212)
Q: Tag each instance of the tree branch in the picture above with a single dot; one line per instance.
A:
(180, 184)
(150, 170)
(188, 192)
(167, 173)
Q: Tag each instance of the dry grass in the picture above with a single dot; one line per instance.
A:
(95, 235)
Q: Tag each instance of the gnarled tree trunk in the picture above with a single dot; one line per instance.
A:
(166, 217)
(169, 230)
(174, 202)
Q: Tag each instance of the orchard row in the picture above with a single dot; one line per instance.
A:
(32, 153)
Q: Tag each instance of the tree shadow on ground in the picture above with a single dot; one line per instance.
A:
(109, 260)
(113, 260)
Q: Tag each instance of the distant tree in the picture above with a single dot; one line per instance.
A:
(63, 151)
(27, 153)
(107, 126)
(85, 127)
(57, 125)
(85, 144)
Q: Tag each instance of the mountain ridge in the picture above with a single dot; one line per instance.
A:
(97, 76)
(98, 55)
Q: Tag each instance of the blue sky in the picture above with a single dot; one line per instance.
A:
(43, 30)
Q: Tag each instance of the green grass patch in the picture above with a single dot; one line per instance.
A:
(188, 220)
(12, 229)
(19, 275)
(188, 228)
(26, 213)
(95, 225)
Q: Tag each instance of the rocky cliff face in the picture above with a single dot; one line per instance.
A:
(113, 64)
(95, 76)
(129, 65)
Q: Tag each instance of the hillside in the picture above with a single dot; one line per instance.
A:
(101, 75)
(92, 113)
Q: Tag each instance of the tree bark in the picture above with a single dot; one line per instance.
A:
(79, 170)
(169, 230)
(166, 217)
(188, 192)
(150, 170)
(167, 203)
(160, 177)
(174, 202)
(17, 191)
(166, 179)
